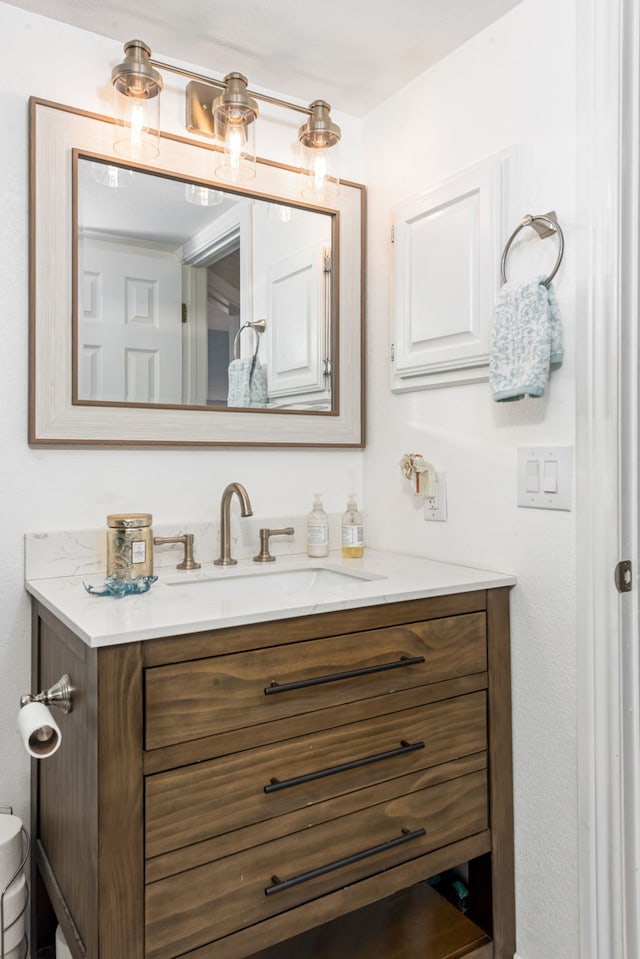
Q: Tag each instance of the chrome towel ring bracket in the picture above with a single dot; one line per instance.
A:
(545, 225)
(258, 327)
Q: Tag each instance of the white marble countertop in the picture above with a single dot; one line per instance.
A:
(214, 597)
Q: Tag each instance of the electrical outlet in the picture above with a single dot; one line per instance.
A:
(435, 507)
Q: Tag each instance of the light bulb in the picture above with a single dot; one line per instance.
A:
(137, 127)
(234, 144)
(319, 170)
(321, 174)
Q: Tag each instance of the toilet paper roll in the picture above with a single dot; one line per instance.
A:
(15, 918)
(62, 949)
(15, 900)
(39, 732)
(10, 848)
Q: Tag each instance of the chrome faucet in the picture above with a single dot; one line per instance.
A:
(225, 521)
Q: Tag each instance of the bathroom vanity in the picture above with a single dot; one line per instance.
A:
(278, 784)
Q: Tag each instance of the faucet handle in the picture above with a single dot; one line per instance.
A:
(264, 556)
(187, 540)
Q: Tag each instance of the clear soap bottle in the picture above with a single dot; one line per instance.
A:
(317, 529)
(352, 531)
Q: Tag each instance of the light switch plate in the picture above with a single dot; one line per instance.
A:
(545, 479)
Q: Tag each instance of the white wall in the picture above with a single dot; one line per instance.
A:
(44, 489)
(511, 85)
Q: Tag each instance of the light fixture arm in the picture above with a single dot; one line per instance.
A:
(220, 85)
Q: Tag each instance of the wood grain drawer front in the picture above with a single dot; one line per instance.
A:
(198, 698)
(209, 799)
(215, 900)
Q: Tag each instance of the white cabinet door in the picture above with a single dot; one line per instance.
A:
(447, 246)
(297, 324)
(129, 325)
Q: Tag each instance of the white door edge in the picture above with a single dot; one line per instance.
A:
(607, 481)
(629, 445)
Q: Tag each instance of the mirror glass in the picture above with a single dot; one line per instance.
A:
(193, 296)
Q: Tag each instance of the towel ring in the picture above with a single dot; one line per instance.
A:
(258, 327)
(550, 227)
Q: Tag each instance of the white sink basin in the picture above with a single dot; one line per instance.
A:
(233, 584)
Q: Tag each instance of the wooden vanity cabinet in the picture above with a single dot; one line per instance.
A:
(281, 790)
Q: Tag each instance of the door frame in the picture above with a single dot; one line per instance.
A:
(607, 476)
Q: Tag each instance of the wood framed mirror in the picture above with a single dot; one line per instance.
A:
(103, 369)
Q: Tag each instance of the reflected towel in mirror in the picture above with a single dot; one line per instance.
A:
(247, 383)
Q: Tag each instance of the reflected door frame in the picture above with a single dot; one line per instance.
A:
(224, 234)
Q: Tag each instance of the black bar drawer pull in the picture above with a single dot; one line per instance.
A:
(279, 885)
(404, 747)
(348, 674)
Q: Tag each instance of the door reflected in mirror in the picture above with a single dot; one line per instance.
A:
(190, 296)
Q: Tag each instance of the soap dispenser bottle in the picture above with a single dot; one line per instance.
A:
(317, 529)
(352, 531)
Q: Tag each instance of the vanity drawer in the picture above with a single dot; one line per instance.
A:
(209, 902)
(198, 698)
(209, 799)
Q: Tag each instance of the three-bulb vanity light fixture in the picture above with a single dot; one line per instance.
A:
(224, 110)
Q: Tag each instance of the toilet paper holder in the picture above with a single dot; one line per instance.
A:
(59, 695)
(40, 734)
(7, 810)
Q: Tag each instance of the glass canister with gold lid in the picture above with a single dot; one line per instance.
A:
(129, 545)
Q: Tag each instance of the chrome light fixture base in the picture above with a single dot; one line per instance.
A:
(234, 104)
(319, 131)
(199, 104)
(135, 77)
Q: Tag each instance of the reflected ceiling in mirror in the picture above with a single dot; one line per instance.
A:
(192, 296)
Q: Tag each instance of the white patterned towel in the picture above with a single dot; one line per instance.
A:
(247, 383)
(526, 340)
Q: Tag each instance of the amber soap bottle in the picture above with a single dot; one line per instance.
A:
(352, 531)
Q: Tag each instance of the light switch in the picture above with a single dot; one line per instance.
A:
(532, 484)
(545, 479)
(550, 476)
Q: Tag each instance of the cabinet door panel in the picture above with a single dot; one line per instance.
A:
(212, 901)
(208, 799)
(188, 700)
